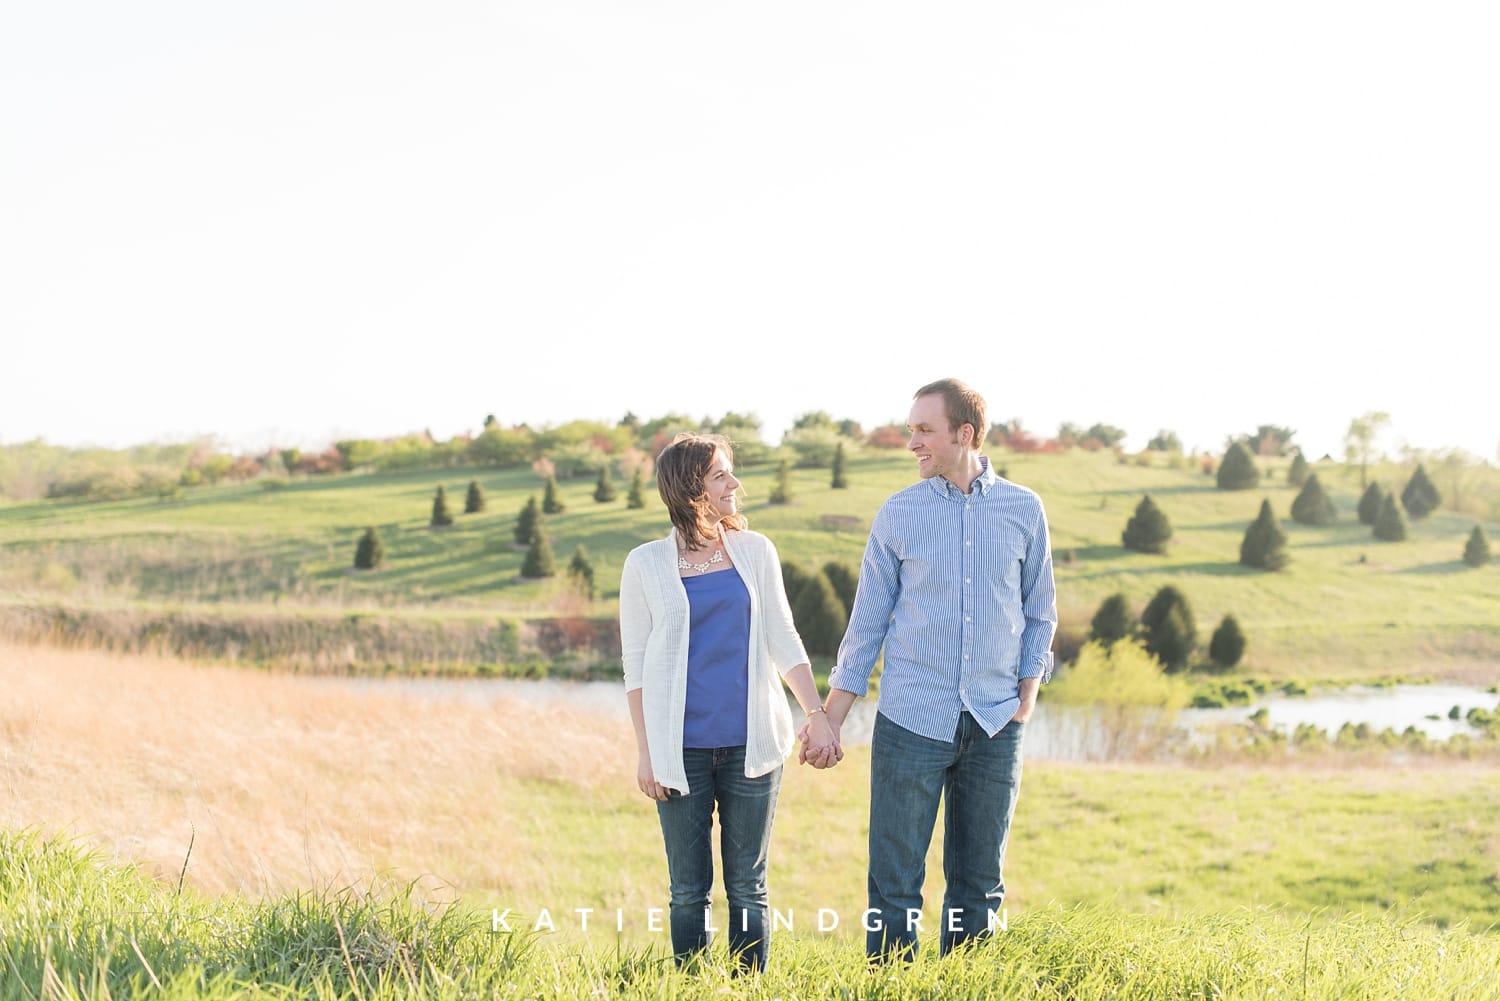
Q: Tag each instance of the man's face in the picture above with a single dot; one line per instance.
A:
(939, 451)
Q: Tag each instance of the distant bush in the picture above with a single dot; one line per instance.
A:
(781, 489)
(1121, 675)
(1112, 621)
(820, 616)
(1420, 497)
(370, 552)
(815, 447)
(1369, 503)
(840, 480)
(551, 503)
(1312, 506)
(845, 581)
(1227, 646)
(1264, 545)
(1237, 471)
(539, 560)
(581, 572)
(887, 436)
(474, 499)
(1390, 524)
(441, 516)
(1148, 530)
(1296, 474)
(531, 515)
(1477, 549)
(793, 578)
(604, 488)
(636, 498)
(1171, 634)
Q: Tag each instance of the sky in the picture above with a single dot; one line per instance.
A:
(282, 223)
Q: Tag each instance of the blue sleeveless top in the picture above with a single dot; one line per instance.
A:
(718, 669)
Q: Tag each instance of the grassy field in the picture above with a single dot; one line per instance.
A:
(327, 840)
(241, 562)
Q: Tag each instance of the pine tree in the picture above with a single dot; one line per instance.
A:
(441, 516)
(474, 500)
(1477, 549)
(840, 481)
(1237, 470)
(581, 572)
(1390, 524)
(551, 504)
(845, 581)
(1170, 630)
(1420, 497)
(636, 499)
(539, 561)
(1264, 545)
(1148, 530)
(604, 490)
(1228, 643)
(1112, 621)
(1297, 474)
(526, 524)
(793, 579)
(819, 616)
(781, 490)
(1313, 506)
(370, 553)
(1369, 503)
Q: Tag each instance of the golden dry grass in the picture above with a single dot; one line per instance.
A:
(278, 783)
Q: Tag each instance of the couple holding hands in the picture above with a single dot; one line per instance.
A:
(956, 591)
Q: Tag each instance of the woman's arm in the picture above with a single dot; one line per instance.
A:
(820, 744)
(645, 778)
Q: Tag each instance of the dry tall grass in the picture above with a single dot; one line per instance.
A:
(278, 783)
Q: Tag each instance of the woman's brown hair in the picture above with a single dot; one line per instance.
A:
(680, 469)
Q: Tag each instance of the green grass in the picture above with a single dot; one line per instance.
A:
(1348, 607)
(76, 928)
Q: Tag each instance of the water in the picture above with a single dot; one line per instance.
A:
(1055, 733)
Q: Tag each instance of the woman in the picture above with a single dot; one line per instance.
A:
(705, 629)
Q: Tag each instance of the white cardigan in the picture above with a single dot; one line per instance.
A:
(654, 619)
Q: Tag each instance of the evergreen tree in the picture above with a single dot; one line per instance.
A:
(539, 561)
(1420, 497)
(636, 499)
(1390, 524)
(474, 500)
(1264, 545)
(370, 553)
(845, 581)
(1112, 621)
(1148, 529)
(1228, 643)
(1237, 469)
(819, 616)
(781, 490)
(441, 516)
(1296, 475)
(551, 503)
(1369, 503)
(840, 481)
(1313, 506)
(581, 572)
(604, 490)
(1477, 549)
(793, 579)
(526, 524)
(1171, 632)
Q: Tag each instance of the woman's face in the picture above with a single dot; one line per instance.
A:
(720, 485)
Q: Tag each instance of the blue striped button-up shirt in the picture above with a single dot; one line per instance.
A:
(958, 590)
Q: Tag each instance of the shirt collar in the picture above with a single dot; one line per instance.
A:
(982, 482)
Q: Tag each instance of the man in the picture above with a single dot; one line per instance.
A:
(956, 586)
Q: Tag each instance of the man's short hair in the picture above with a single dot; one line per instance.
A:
(964, 406)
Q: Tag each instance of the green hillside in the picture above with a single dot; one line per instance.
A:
(271, 555)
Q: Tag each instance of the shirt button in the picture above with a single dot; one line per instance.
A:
(967, 542)
(966, 656)
(968, 580)
(968, 618)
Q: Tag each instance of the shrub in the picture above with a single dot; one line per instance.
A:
(1369, 503)
(1477, 549)
(793, 578)
(1228, 643)
(1237, 471)
(370, 552)
(781, 490)
(840, 481)
(604, 489)
(1390, 524)
(474, 499)
(539, 561)
(1296, 474)
(1313, 506)
(1112, 621)
(551, 503)
(531, 515)
(1148, 530)
(845, 581)
(581, 572)
(636, 498)
(1117, 676)
(1420, 497)
(1264, 545)
(819, 616)
(441, 516)
(1170, 631)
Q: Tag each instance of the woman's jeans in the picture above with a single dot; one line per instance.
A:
(978, 778)
(746, 808)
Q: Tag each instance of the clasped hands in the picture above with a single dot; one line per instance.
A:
(818, 742)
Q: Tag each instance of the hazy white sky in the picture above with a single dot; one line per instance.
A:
(283, 221)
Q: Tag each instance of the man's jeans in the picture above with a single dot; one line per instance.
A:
(978, 778)
(746, 808)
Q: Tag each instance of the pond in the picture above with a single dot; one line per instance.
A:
(1056, 733)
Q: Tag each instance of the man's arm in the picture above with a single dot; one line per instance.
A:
(1039, 605)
